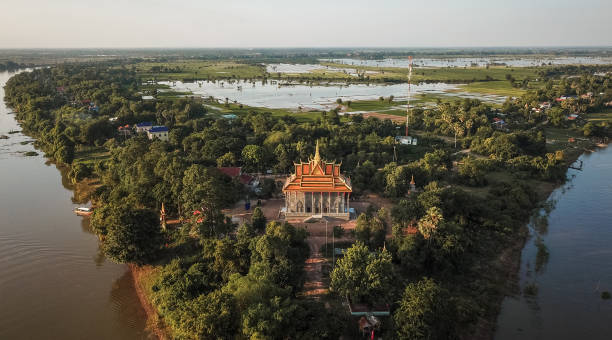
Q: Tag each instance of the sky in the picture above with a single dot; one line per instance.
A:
(305, 23)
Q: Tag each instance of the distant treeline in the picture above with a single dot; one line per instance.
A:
(10, 65)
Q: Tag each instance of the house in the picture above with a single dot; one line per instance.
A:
(93, 107)
(125, 130)
(545, 105)
(499, 123)
(406, 140)
(572, 117)
(236, 172)
(158, 132)
(148, 98)
(143, 127)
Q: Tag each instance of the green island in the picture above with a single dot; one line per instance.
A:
(437, 238)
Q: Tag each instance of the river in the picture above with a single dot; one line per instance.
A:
(54, 283)
(567, 303)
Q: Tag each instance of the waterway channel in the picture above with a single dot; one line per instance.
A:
(54, 282)
(560, 295)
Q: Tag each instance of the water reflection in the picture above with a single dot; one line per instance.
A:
(467, 62)
(271, 94)
(128, 311)
(54, 281)
(566, 264)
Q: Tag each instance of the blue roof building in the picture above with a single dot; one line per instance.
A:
(143, 127)
(159, 132)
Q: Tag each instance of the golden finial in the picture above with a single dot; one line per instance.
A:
(317, 157)
(412, 180)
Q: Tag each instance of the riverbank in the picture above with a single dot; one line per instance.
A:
(143, 280)
(508, 265)
(54, 282)
(569, 281)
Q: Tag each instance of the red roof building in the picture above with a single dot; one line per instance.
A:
(231, 171)
(317, 188)
(236, 172)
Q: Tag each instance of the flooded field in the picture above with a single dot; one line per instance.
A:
(308, 68)
(320, 97)
(466, 62)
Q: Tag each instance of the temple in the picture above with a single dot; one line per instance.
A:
(317, 188)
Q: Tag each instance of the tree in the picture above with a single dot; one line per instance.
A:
(429, 223)
(64, 154)
(129, 235)
(253, 156)
(206, 186)
(209, 316)
(228, 159)
(364, 276)
(258, 220)
(425, 312)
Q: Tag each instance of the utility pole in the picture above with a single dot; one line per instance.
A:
(325, 237)
(333, 250)
(408, 101)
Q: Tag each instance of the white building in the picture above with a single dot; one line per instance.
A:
(143, 127)
(159, 132)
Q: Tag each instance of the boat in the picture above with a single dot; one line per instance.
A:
(83, 211)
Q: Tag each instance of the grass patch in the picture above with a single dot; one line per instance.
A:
(242, 110)
(600, 117)
(91, 154)
(498, 87)
(443, 74)
(198, 69)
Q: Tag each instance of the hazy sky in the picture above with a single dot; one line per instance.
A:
(305, 23)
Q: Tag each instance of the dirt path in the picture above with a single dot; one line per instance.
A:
(314, 286)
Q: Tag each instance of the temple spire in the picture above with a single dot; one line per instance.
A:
(317, 156)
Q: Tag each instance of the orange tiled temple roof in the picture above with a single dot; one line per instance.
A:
(317, 176)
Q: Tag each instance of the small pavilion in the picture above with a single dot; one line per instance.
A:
(317, 188)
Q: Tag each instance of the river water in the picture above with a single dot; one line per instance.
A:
(567, 302)
(54, 283)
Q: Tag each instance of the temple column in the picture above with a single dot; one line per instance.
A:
(321, 202)
(312, 203)
(348, 204)
(329, 202)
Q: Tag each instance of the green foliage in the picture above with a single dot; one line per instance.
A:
(129, 235)
(424, 311)
(253, 157)
(371, 229)
(79, 171)
(338, 231)
(258, 220)
(363, 276)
